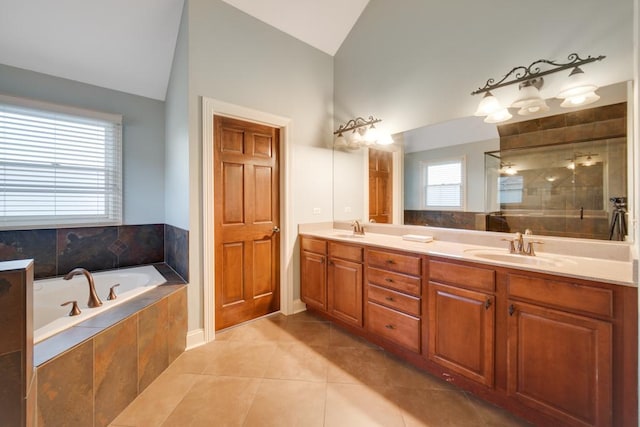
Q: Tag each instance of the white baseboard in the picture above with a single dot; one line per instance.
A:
(298, 306)
(195, 338)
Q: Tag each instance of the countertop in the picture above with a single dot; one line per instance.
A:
(597, 269)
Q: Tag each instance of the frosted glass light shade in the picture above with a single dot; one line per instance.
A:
(488, 105)
(385, 139)
(529, 101)
(340, 141)
(498, 116)
(578, 90)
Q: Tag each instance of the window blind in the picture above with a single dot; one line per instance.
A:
(444, 184)
(59, 166)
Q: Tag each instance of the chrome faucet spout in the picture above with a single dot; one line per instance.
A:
(94, 300)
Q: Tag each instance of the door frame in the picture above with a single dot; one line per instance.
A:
(210, 108)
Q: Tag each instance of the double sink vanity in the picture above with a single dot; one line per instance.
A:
(550, 337)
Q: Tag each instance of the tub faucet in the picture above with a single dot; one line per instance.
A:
(94, 301)
(357, 228)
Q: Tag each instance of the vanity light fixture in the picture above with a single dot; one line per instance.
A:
(589, 160)
(577, 91)
(360, 133)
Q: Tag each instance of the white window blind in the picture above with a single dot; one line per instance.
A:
(444, 184)
(510, 189)
(59, 166)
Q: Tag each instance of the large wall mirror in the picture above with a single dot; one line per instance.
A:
(564, 173)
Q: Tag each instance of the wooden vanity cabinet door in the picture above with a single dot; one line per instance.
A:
(313, 280)
(461, 325)
(345, 290)
(560, 364)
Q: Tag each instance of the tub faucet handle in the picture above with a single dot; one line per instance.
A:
(75, 310)
(112, 292)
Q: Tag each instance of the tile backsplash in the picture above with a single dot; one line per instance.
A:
(57, 251)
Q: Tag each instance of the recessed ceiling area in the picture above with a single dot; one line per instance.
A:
(128, 45)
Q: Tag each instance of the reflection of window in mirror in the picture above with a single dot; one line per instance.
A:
(443, 184)
(510, 189)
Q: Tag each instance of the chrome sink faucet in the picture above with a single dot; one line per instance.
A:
(94, 300)
(358, 229)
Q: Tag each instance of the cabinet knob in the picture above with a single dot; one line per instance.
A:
(512, 309)
(390, 261)
(389, 298)
(388, 279)
(487, 304)
(389, 326)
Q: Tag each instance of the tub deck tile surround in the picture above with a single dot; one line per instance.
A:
(16, 342)
(65, 388)
(123, 349)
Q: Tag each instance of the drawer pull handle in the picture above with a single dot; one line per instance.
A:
(389, 298)
(512, 309)
(390, 261)
(389, 326)
(487, 304)
(388, 279)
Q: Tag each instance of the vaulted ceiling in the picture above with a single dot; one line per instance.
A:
(128, 45)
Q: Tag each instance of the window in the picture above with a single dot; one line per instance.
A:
(510, 189)
(59, 166)
(444, 184)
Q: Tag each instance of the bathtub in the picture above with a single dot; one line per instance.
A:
(49, 317)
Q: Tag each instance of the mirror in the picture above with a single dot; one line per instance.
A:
(575, 203)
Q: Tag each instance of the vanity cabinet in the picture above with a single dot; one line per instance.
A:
(393, 297)
(461, 319)
(331, 279)
(344, 283)
(313, 273)
(559, 349)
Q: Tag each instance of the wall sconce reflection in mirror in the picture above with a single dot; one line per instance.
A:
(577, 91)
(358, 132)
(508, 168)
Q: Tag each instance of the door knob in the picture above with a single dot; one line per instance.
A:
(276, 229)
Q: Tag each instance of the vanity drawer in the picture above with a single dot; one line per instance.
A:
(314, 245)
(566, 295)
(348, 252)
(462, 275)
(406, 264)
(393, 299)
(399, 282)
(397, 327)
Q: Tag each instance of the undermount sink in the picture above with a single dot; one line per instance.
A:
(504, 256)
(349, 235)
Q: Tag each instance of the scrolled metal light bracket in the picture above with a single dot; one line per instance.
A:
(522, 73)
(356, 123)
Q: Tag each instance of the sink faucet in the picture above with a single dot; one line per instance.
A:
(358, 229)
(518, 245)
(528, 249)
(94, 301)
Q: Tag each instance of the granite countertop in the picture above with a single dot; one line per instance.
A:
(617, 272)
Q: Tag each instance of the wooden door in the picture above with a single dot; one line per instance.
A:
(246, 195)
(461, 331)
(313, 280)
(560, 364)
(344, 286)
(380, 186)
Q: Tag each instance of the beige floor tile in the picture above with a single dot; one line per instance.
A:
(402, 374)
(281, 403)
(305, 316)
(266, 329)
(358, 405)
(338, 337)
(215, 401)
(157, 401)
(297, 361)
(442, 408)
(494, 416)
(311, 333)
(356, 365)
(239, 358)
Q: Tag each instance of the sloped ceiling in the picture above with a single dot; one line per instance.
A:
(128, 45)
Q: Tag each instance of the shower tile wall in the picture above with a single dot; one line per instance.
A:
(57, 251)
